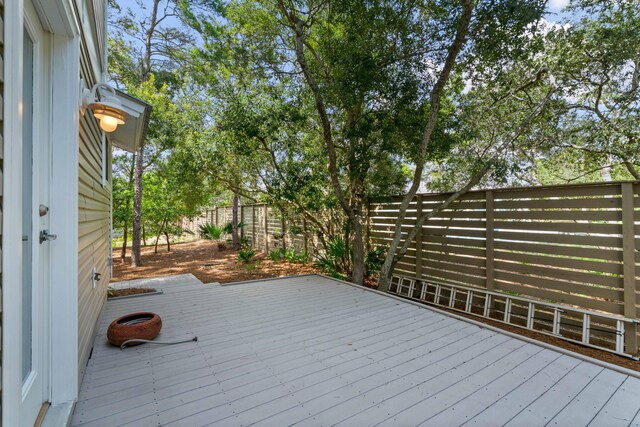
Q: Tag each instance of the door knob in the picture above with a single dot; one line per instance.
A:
(45, 236)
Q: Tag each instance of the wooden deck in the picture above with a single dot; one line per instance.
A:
(313, 351)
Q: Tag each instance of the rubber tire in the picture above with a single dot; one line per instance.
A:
(146, 330)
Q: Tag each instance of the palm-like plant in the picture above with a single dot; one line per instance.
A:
(210, 231)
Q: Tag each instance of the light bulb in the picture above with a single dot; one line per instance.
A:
(108, 123)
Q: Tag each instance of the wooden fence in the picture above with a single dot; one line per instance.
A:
(571, 244)
(264, 227)
(575, 244)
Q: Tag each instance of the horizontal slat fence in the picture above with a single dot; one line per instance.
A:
(264, 227)
(576, 244)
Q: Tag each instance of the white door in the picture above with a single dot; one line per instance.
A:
(34, 351)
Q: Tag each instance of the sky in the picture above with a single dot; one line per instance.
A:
(556, 5)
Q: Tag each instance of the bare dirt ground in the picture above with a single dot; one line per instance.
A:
(202, 259)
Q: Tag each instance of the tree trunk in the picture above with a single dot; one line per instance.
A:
(155, 249)
(136, 259)
(396, 252)
(357, 274)
(234, 222)
(144, 235)
(125, 237)
(434, 110)
(632, 169)
(168, 241)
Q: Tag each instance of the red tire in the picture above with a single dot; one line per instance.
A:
(143, 325)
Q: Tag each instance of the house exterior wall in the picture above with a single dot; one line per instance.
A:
(78, 196)
(94, 199)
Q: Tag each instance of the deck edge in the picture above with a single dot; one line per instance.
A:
(580, 356)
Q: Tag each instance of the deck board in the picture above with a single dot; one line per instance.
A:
(312, 351)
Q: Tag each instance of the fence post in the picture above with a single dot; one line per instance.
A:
(266, 228)
(242, 221)
(217, 217)
(629, 267)
(367, 226)
(305, 241)
(419, 203)
(253, 226)
(489, 243)
(283, 228)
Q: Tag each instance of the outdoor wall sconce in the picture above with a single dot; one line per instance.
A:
(107, 108)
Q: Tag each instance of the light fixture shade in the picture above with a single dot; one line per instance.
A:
(108, 109)
(101, 110)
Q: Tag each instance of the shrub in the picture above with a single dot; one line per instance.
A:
(210, 231)
(374, 260)
(246, 255)
(228, 227)
(335, 259)
(304, 257)
(292, 255)
(276, 255)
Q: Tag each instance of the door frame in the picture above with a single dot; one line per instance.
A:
(35, 390)
(61, 21)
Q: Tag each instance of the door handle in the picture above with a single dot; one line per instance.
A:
(45, 236)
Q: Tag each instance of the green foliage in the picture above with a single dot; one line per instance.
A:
(276, 255)
(246, 255)
(596, 131)
(335, 259)
(227, 229)
(292, 255)
(356, 97)
(374, 259)
(177, 231)
(210, 231)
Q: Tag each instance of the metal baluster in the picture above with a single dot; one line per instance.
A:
(487, 305)
(586, 328)
(507, 310)
(423, 291)
(412, 287)
(531, 313)
(467, 306)
(619, 336)
(556, 321)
